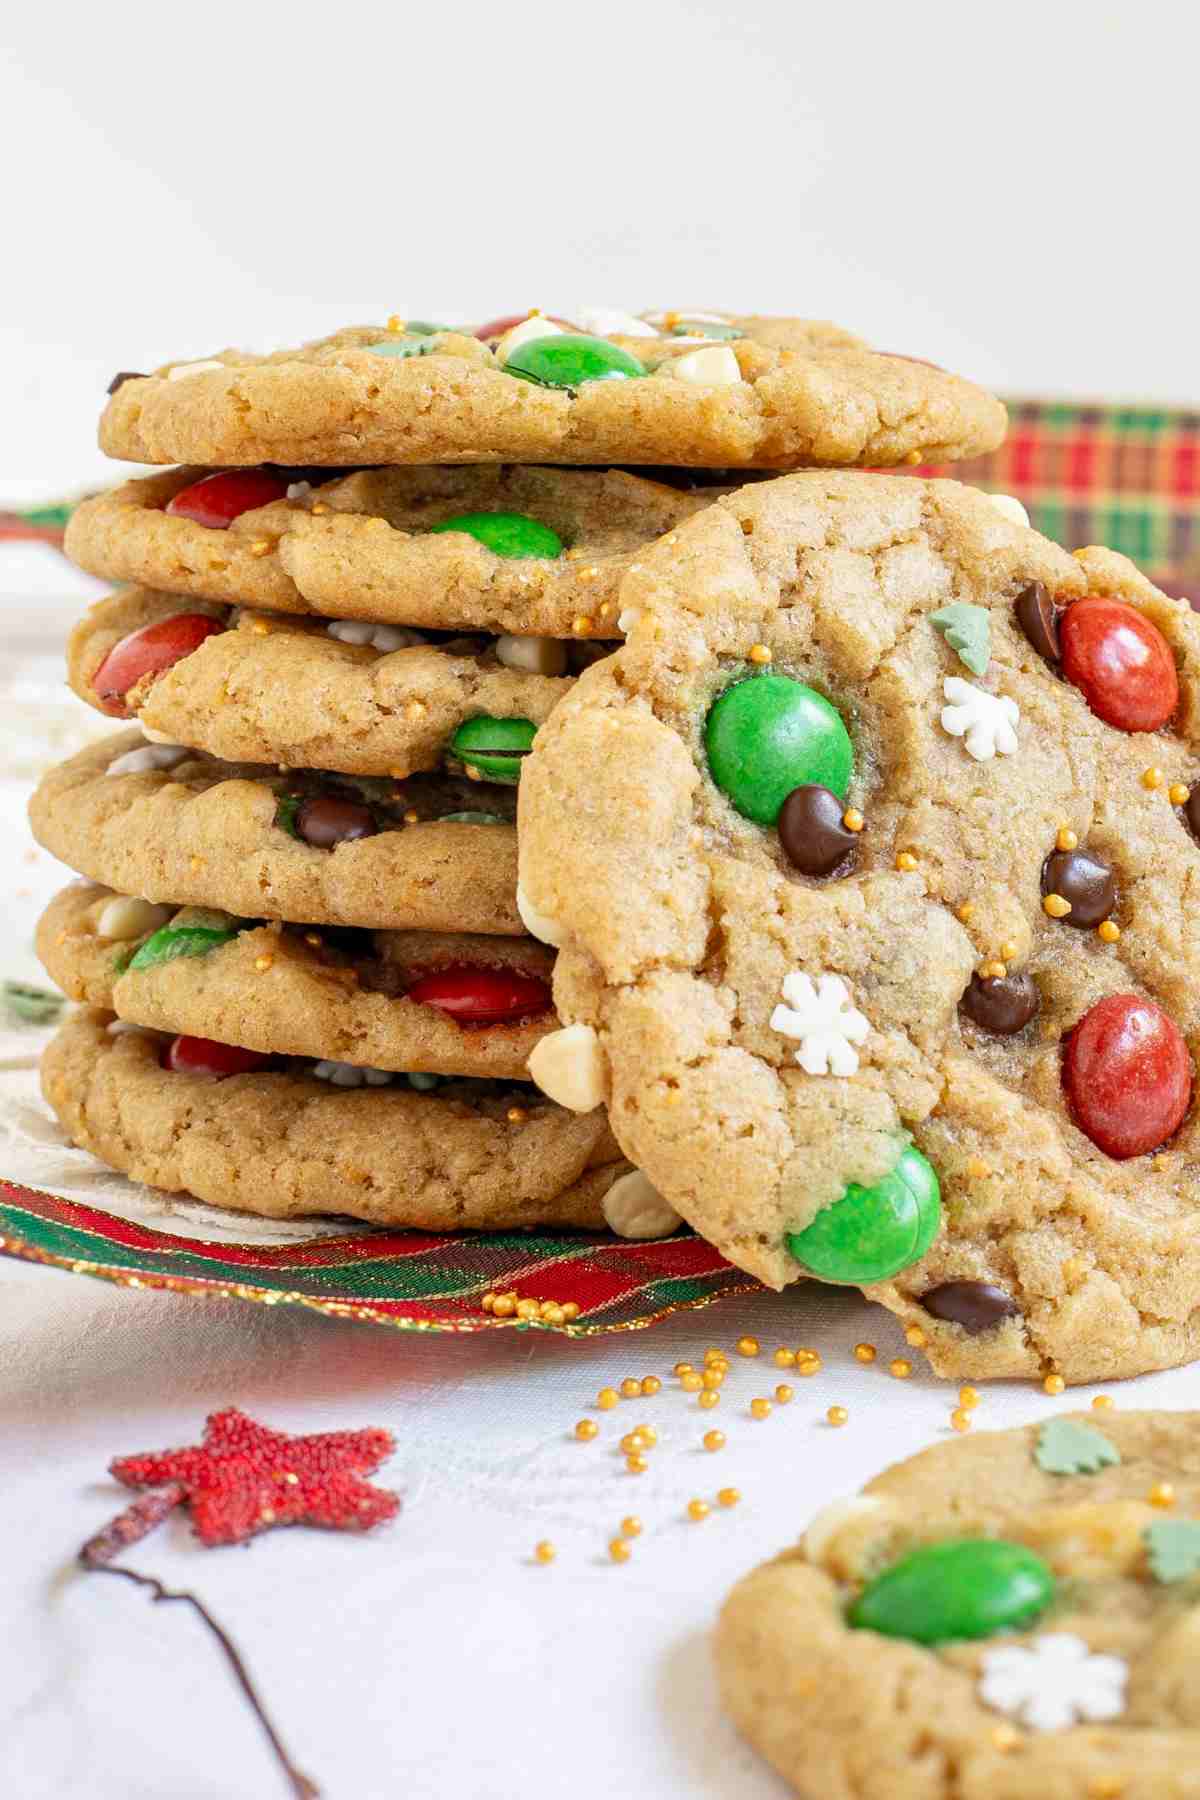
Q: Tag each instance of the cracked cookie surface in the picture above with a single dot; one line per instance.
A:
(790, 393)
(756, 1111)
(1094, 1698)
(180, 826)
(284, 1144)
(431, 1002)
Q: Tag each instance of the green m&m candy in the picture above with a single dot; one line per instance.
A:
(191, 933)
(472, 818)
(871, 1233)
(567, 361)
(707, 328)
(404, 343)
(493, 747)
(769, 734)
(963, 1588)
(506, 534)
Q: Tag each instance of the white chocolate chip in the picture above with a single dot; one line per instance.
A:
(299, 490)
(539, 924)
(124, 917)
(1010, 508)
(385, 638)
(123, 1028)
(181, 370)
(693, 318)
(146, 758)
(159, 737)
(525, 333)
(570, 1067)
(539, 655)
(832, 1519)
(634, 1208)
(608, 321)
(627, 618)
(351, 1075)
(714, 366)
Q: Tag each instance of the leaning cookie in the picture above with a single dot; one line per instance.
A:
(431, 853)
(875, 910)
(1007, 1616)
(444, 1003)
(367, 700)
(273, 1136)
(527, 551)
(716, 390)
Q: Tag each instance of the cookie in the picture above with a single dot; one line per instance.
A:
(541, 551)
(432, 853)
(719, 390)
(279, 1141)
(443, 1003)
(1002, 1617)
(251, 687)
(875, 915)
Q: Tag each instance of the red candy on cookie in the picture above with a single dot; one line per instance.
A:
(219, 499)
(149, 651)
(1121, 662)
(473, 996)
(204, 1056)
(496, 328)
(1128, 1075)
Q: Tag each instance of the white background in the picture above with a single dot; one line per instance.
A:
(1005, 190)
(1008, 190)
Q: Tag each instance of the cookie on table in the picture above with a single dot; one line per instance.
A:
(343, 695)
(527, 551)
(430, 853)
(722, 390)
(435, 1002)
(269, 1135)
(875, 915)
(1006, 1616)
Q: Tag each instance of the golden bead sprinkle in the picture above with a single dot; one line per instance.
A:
(900, 1367)
(837, 1415)
(713, 1440)
(619, 1550)
(713, 1376)
(906, 862)
(1152, 777)
(747, 1346)
(966, 911)
(516, 1115)
(1162, 1494)
(505, 1307)
(1053, 1384)
(728, 1496)
(709, 1398)
(1108, 931)
(586, 1429)
(570, 1310)
(1066, 839)
(1009, 950)
(1177, 793)
(916, 1335)
(691, 1383)
(631, 1526)
(527, 1309)
(1055, 907)
(630, 1389)
(960, 1419)
(968, 1397)
(760, 1409)
(545, 1551)
(651, 1385)
(581, 624)
(993, 971)
(607, 1398)
(647, 1434)
(1102, 1402)
(636, 1464)
(759, 653)
(632, 1443)
(683, 1368)
(852, 819)
(865, 1353)
(698, 1509)
(784, 1393)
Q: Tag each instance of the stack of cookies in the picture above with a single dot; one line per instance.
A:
(371, 578)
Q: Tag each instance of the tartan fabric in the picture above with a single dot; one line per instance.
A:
(1125, 476)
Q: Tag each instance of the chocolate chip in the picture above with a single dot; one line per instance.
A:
(975, 1305)
(326, 820)
(1087, 883)
(811, 832)
(1001, 1005)
(1191, 810)
(1037, 616)
(121, 377)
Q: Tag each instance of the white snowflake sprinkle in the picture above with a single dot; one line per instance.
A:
(1053, 1682)
(987, 723)
(821, 1016)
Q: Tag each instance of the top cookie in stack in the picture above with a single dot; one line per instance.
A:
(339, 645)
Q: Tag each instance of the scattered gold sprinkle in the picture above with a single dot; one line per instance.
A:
(1009, 950)
(527, 1309)
(319, 507)
(1106, 1787)
(1152, 777)
(650, 1385)
(396, 323)
(714, 1440)
(916, 1336)
(900, 1367)
(553, 1313)
(906, 861)
(728, 1496)
(1102, 1402)
(784, 1393)
(747, 1346)
(865, 1353)
(581, 624)
(416, 709)
(1005, 1737)
(607, 1398)
(784, 1358)
(488, 1301)
(837, 1415)
(759, 653)
(1054, 1384)
(313, 938)
(1066, 839)
(691, 1383)
(261, 547)
(648, 1435)
(195, 864)
(709, 1398)
(698, 1509)
(760, 1409)
(713, 1376)
(545, 1551)
(570, 1310)
(993, 971)
(1056, 906)
(807, 1362)
(619, 1550)
(913, 458)
(263, 963)
(960, 1418)
(1161, 1494)
(977, 1169)
(630, 1389)
(1177, 793)
(852, 819)
(631, 1526)
(586, 1429)
(1108, 930)
(714, 1353)
(505, 1306)
(632, 1442)
(412, 816)
(968, 1397)
(636, 1464)
(966, 911)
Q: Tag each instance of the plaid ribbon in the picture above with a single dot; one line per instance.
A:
(1125, 476)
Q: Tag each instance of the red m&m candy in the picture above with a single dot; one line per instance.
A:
(204, 1056)
(219, 499)
(1121, 662)
(474, 996)
(496, 328)
(149, 652)
(1128, 1075)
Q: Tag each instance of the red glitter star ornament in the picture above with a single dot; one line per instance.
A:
(245, 1478)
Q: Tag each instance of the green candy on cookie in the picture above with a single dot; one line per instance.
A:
(963, 1588)
(871, 1233)
(506, 533)
(567, 361)
(195, 934)
(494, 748)
(769, 734)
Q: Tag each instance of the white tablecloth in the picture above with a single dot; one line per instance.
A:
(433, 1658)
